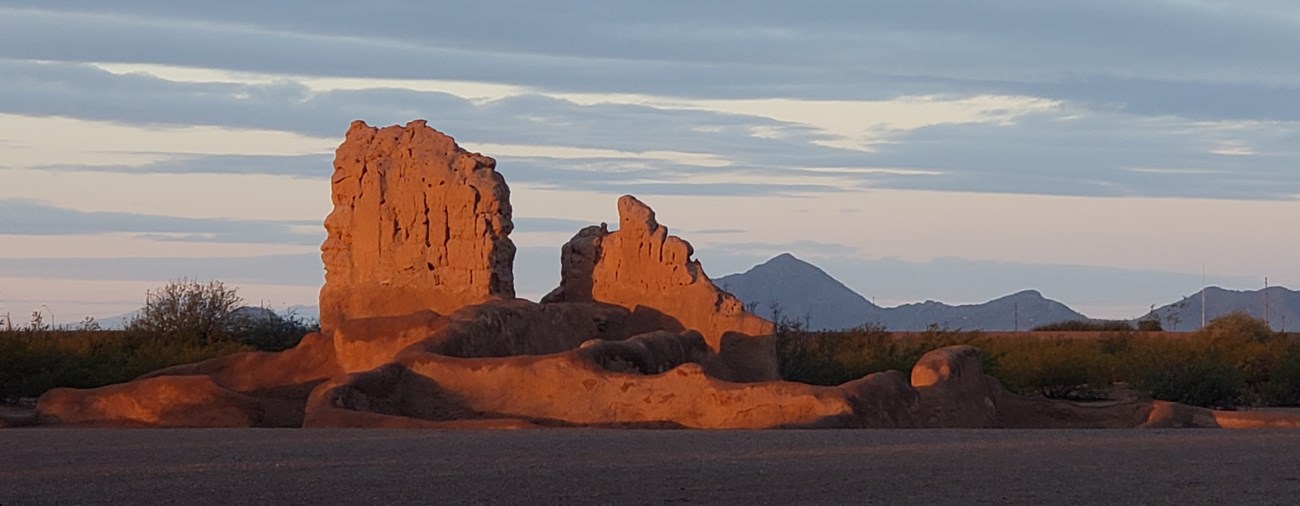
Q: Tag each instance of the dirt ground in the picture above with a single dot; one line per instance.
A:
(586, 466)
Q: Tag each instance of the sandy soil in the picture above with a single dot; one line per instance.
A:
(585, 466)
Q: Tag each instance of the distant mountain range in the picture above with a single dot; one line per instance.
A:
(1278, 305)
(801, 291)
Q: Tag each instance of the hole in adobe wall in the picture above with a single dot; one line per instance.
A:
(430, 264)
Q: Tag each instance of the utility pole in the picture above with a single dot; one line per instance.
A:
(1267, 321)
(1016, 312)
(1203, 290)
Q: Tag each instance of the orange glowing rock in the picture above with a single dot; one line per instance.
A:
(418, 224)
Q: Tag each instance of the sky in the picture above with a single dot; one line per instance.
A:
(1113, 155)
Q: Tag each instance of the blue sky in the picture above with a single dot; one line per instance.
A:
(1101, 152)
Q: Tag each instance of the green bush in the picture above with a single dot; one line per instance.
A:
(1056, 368)
(1190, 377)
(34, 361)
(267, 331)
(1283, 385)
(834, 357)
(1235, 361)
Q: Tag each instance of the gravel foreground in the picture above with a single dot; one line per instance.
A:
(589, 466)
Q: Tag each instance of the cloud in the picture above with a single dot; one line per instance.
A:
(23, 217)
(294, 166)
(297, 269)
(990, 144)
(1201, 58)
(1080, 152)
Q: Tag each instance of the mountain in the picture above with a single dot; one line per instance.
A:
(1019, 311)
(117, 322)
(1283, 307)
(804, 292)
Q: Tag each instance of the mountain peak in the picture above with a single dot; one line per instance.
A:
(784, 258)
(800, 290)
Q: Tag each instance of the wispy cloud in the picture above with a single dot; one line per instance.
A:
(23, 217)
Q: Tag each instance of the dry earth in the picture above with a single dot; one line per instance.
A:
(588, 466)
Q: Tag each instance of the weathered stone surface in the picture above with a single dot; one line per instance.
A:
(640, 265)
(278, 381)
(391, 397)
(655, 380)
(569, 389)
(418, 224)
(366, 343)
(165, 401)
(952, 384)
(497, 328)
(1171, 415)
(312, 360)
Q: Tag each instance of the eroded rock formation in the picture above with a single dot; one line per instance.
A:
(605, 385)
(418, 224)
(651, 273)
(420, 330)
(641, 266)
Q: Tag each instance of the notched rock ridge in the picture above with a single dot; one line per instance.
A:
(641, 266)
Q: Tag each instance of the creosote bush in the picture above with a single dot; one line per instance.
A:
(1235, 361)
(187, 310)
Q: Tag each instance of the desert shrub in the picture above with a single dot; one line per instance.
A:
(1183, 373)
(834, 357)
(267, 331)
(1283, 385)
(1235, 361)
(187, 310)
(1074, 369)
(1085, 326)
(202, 314)
(1237, 327)
(1150, 324)
(823, 358)
(32, 362)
